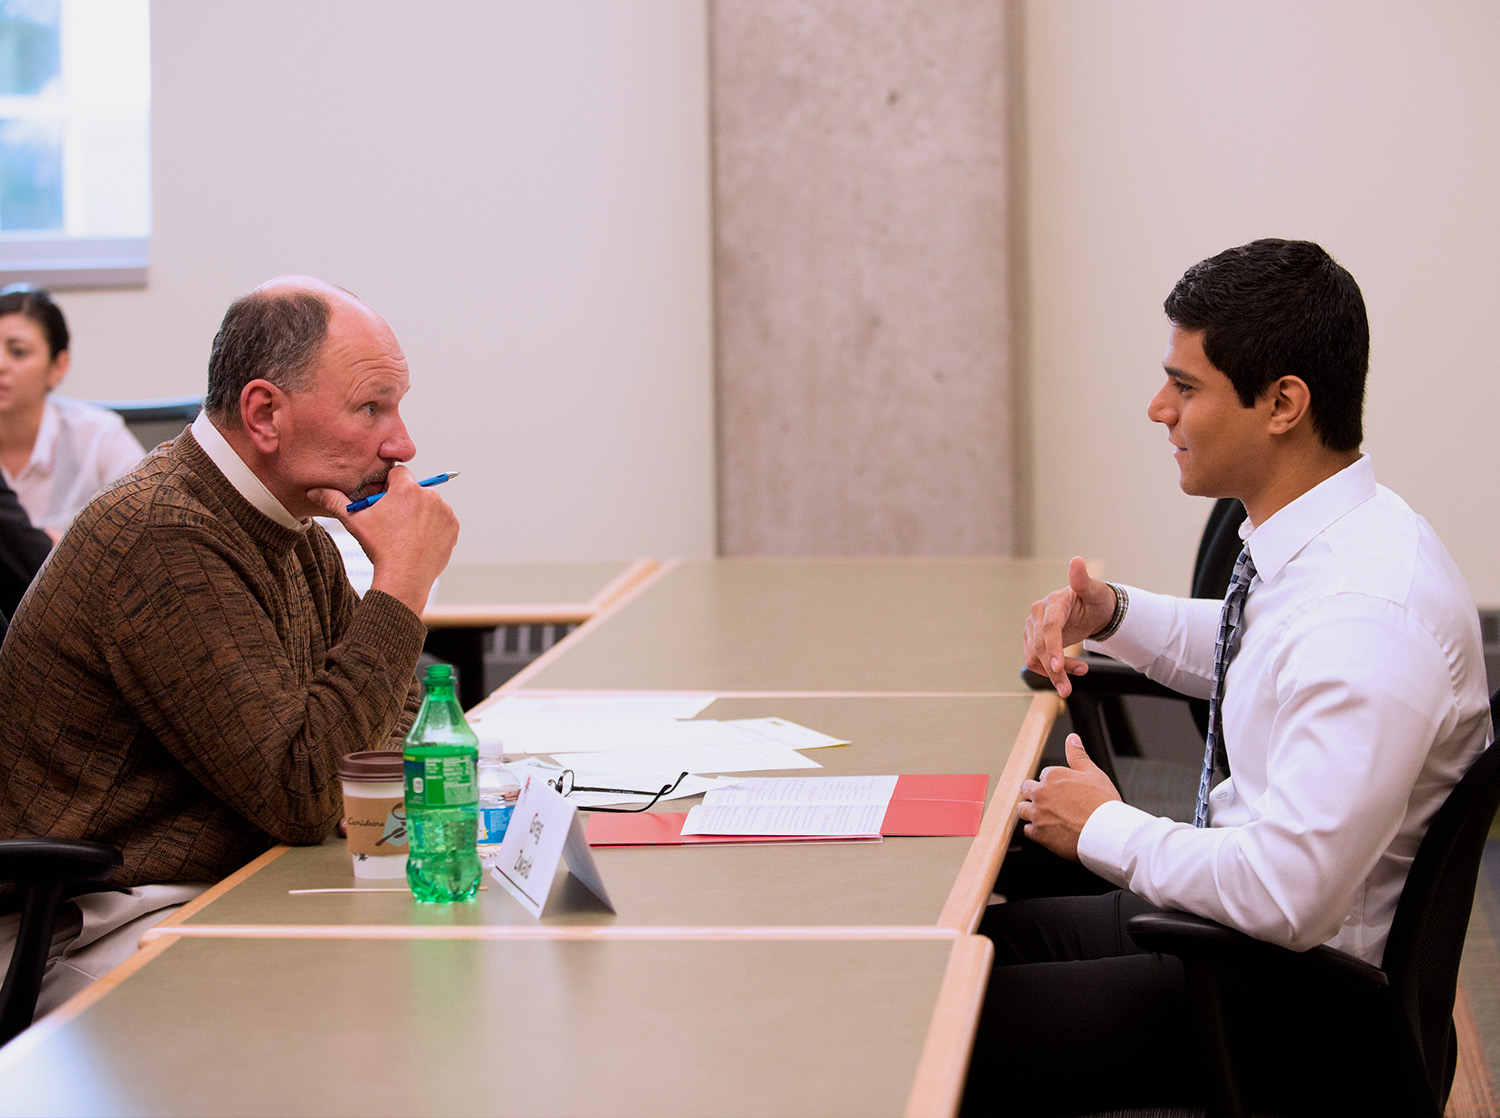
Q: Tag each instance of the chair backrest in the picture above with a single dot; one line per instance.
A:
(1427, 932)
(1218, 548)
(155, 421)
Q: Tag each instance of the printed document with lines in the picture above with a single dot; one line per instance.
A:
(821, 805)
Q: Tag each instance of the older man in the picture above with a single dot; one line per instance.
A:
(183, 678)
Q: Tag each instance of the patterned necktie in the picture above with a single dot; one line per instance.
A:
(1225, 647)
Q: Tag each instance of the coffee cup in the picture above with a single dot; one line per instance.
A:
(375, 812)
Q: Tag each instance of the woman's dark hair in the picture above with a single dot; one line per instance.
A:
(37, 305)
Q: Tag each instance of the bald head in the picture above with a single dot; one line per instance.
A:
(274, 333)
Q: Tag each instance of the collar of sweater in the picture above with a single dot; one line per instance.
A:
(265, 531)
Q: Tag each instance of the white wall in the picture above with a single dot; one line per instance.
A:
(523, 190)
(520, 188)
(1161, 131)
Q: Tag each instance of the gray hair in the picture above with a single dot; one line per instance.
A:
(266, 335)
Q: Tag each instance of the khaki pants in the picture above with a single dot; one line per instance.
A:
(95, 933)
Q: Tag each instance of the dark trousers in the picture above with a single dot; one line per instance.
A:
(1078, 1019)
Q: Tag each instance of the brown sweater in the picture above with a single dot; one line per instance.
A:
(184, 675)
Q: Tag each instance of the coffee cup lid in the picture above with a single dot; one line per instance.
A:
(372, 766)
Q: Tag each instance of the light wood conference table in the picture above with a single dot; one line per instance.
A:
(483, 595)
(891, 626)
(920, 883)
(532, 1027)
(471, 599)
(868, 641)
(785, 979)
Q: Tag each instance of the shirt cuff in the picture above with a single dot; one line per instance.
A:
(1144, 631)
(1102, 842)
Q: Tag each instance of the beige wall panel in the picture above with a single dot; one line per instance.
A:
(521, 189)
(1162, 131)
(861, 274)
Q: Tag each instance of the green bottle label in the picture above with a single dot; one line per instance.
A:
(441, 781)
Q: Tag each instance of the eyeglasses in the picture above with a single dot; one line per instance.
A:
(564, 786)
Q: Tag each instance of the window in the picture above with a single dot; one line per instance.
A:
(75, 142)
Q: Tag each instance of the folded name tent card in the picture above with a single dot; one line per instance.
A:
(545, 829)
(773, 809)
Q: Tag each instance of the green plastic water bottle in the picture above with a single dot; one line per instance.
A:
(442, 796)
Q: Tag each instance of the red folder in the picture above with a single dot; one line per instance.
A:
(936, 804)
(922, 804)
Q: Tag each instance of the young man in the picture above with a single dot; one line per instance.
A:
(187, 671)
(1354, 701)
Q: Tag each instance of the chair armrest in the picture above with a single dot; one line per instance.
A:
(1106, 676)
(1209, 952)
(1096, 708)
(1183, 934)
(45, 871)
(31, 859)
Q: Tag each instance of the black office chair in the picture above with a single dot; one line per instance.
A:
(1098, 707)
(1411, 994)
(155, 421)
(46, 872)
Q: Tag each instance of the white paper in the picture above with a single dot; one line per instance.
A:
(844, 820)
(707, 759)
(555, 735)
(872, 790)
(596, 733)
(787, 733)
(357, 566)
(793, 806)
(634, 705)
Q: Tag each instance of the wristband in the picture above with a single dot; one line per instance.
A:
(1122, 603)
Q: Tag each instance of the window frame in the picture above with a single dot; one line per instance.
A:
(55, 258)
(60, 262)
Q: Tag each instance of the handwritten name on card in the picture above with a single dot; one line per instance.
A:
(545, 829)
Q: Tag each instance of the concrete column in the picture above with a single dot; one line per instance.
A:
(862, 273)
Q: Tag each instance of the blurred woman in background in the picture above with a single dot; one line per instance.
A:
(56, 453)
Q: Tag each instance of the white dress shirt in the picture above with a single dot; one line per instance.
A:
(1356, 701)
(241, 476)
(79, 449)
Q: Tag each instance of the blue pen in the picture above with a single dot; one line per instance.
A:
(366, 502)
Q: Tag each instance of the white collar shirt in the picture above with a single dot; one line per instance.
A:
(241, 476)
(79, 449)
(1356, 701)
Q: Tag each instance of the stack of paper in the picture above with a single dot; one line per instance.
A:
(642, 741)
(803, 808)
(830, 805)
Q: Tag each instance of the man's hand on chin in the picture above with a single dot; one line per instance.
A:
(1054, 809)
(408, 534)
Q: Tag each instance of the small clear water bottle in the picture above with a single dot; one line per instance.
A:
(498, 791)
